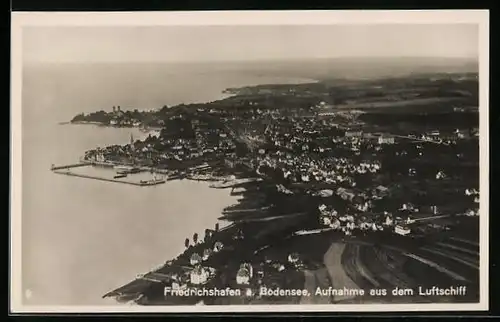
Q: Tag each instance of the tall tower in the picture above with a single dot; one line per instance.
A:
(132, 148)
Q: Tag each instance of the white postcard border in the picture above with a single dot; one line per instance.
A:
(22, 19)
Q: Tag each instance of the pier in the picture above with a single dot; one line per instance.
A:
(69, 166)
(139, 184)
(65, 169)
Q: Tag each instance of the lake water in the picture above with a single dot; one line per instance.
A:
(81, 238)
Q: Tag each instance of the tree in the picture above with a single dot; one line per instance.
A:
(216, 226)
(195, 238)
(186, 243)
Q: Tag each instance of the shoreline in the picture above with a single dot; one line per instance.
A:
(100, 124)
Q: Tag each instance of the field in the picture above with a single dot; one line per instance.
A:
(374, 264)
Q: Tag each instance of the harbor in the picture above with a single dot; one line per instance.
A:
(129, 174)
(111, 173)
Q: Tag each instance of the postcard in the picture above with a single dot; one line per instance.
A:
(249, 161)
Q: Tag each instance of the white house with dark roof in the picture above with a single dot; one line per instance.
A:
(243, 276)
(386, 139)
(206, 253)
(199, 275)
(218, 246)
(402, 230)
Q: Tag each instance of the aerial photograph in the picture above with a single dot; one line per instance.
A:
(250, 165)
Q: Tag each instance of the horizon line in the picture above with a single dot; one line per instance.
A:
(455, 58)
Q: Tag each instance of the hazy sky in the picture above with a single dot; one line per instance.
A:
(223, 43)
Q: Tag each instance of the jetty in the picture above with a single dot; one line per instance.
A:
(65, 170)
(69, 166)
(142, 183)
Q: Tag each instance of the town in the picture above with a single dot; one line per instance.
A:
(371, 183)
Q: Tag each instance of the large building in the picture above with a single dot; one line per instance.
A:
(386, 139)
(243, 276)
(199, 275)
(402, 230)
(353, 134)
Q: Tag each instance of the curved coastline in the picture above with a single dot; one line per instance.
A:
(146, 265)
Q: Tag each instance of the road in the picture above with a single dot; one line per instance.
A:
(313, 280)
(338, 276)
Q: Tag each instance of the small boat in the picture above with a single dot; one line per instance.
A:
(118, 176)
(122, 168)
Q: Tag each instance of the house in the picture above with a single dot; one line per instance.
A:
(385, 139)
(461, 134)
(381, 191)
(353, 134)
(322, 207)
(243, 276)
(328, 113)
(363, 225)
(325, 220)
(471, 192)
(409, 220)
(218, 246)
(195, 259)
(407, 206)
(402, 230)
(440, 175)
(206, 253)
(293, 258)
(326, 193)
(363, 206)
(369, 136)
(199, 275)
(350, 226)
(248, 267)
(335, 224)
(471, 212)
(345, 194)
